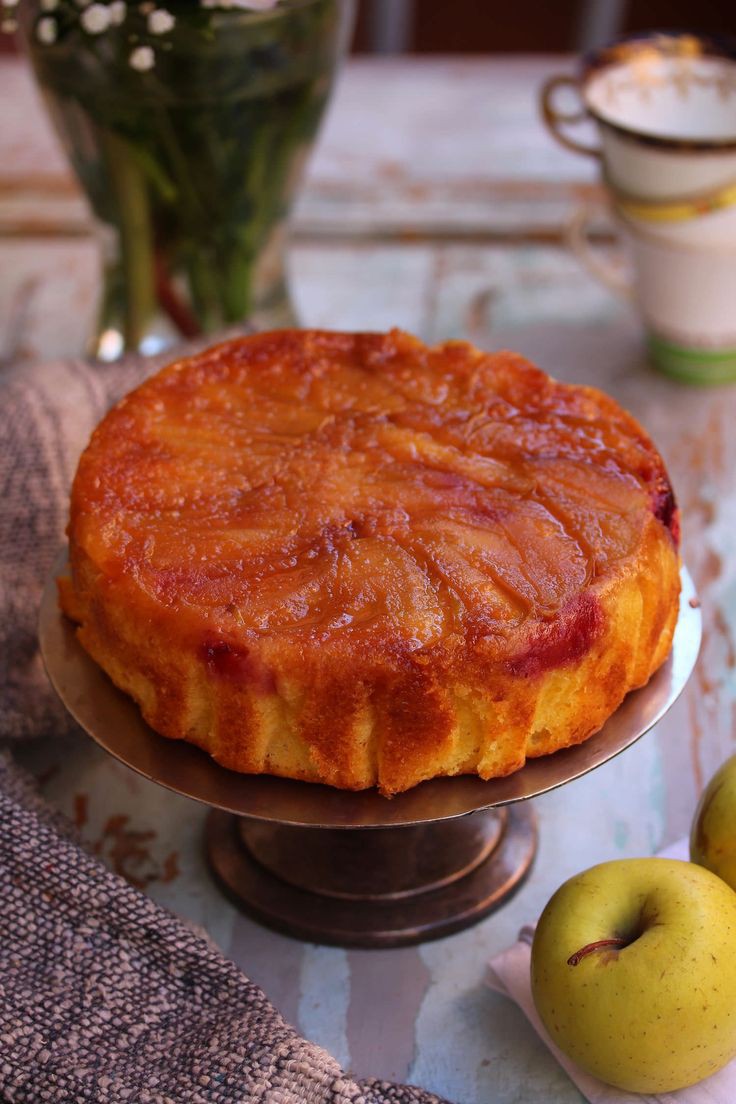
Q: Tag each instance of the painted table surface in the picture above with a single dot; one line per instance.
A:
(435, 202)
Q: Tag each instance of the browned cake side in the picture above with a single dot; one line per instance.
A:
(356, 560)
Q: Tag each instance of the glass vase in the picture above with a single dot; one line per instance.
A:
(190, 145)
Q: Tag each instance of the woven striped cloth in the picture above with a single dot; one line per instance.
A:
(104, 995)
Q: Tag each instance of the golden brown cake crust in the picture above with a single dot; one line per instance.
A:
(353, 559)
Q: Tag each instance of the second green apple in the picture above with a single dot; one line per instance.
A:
(713, 836)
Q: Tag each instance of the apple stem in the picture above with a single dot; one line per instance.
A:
(574, 959)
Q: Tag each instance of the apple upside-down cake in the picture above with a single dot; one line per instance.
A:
(357, 560)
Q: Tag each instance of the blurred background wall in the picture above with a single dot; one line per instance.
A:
(524, 26)
(491, 26)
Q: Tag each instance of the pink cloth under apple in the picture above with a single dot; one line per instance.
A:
(508, 973)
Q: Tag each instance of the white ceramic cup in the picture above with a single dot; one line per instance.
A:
(664, 106)
(664, 109)
(685, 294)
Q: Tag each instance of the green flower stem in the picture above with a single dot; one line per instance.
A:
(237, 289)
(205, 281)
(203, 284)
(136, 240)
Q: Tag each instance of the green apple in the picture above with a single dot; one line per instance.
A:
(713, 836)
(634, 973)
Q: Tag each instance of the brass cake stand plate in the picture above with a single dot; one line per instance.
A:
(356, 869)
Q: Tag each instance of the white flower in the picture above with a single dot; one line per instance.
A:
(117, 12)
(160, 21)
(96, 18)
(142, 58)
(46, 30)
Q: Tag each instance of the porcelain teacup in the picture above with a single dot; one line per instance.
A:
(664, 109)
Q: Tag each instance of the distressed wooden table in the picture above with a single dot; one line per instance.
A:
(435, 202)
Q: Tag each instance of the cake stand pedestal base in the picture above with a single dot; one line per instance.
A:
(385, 887)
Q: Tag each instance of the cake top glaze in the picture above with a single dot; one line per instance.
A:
(365, 490)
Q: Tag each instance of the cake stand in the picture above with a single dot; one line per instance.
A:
(356, 869)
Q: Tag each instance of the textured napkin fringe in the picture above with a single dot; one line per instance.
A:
(107, 997)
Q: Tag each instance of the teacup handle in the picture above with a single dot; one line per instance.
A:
(577, 236)
(555, 119)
